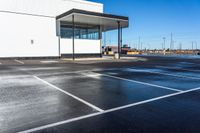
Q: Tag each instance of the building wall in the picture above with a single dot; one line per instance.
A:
(81, 46)
(17, 31)
(48, 7)
(28, 27)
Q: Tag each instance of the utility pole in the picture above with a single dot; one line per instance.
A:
(105, 38)
(192, 45)
(149, 46)
(196, 45)
(171, 43)
(139, 43)
(180, 46)
(164, 40)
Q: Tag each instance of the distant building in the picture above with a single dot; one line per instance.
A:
(125, 49)
(114, 49)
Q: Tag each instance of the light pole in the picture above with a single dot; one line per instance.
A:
(196, 45)
(139, 43)
(164, 40)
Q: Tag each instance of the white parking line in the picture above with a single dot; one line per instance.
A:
(175, 68)
(139, 82)
(78, 72)
(41, 68)
(19, 61)
(167, 74)
(97, 74)
(69, 94)
(107, 111)
(174, 75)
(49, 62)
(0, 63)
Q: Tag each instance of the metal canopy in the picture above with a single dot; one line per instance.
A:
(106, 21)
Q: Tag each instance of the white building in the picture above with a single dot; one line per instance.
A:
(54, 28)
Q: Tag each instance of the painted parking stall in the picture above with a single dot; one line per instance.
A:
(104, 92)
(149, 117)
(26, 103)
(154, 78)
(182, 71)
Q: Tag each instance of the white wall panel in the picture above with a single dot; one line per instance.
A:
(48, 7)
(87, 46)
(66, 46)
(81, 46)
(20, 24)
(17, 31)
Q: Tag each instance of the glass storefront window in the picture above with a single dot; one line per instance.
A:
(80, 32)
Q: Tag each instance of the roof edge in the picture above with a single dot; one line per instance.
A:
(88, 2)
(91, 13)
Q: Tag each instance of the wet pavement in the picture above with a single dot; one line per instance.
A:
(156, 94)
(26, 103)
(180, 114)
(104, 92)
(156, 78)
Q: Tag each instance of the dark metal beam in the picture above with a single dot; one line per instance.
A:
(100, 37)
(59, 36)
(73, 27)
(119, 39)
(59, 53)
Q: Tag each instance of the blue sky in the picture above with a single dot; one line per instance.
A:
(154, 19)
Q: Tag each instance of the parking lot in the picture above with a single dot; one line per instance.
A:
(139, 95)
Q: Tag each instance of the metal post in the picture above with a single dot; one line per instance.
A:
(100, 37)
(73, 26)
(58, 25)
(139, 43)
(164, 40)
(119, 39)
(59, 53)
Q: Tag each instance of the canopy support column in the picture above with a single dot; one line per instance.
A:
(100, 37)
(119, 39)
(73, 48)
